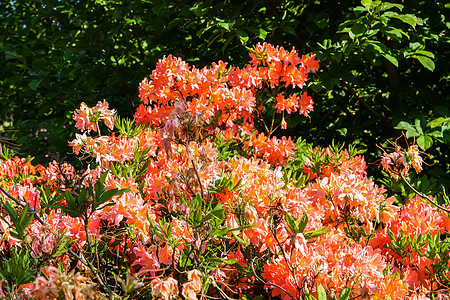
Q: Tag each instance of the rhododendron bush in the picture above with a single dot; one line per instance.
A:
(198, 197)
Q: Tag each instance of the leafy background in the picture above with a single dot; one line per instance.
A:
(384, 66)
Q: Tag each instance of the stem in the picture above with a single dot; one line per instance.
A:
(94, 271)
(89, 264)
(269, 283)
(98, 127)
(222, 293)
(291, 269)
(366, 105)
(271, 125)
(198, 177)
(20, 204)
(422, 195)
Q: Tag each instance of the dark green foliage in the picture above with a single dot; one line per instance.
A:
(20, 221)
(382, 64)
(17, 269)
(87, 200)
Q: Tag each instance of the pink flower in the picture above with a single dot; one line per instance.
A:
(167, 289)
(193, 286)
(105, 114)
(416, 160)
(84, 119)
(1, 289)
(87, 118)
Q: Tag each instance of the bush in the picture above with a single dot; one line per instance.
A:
(197, 197)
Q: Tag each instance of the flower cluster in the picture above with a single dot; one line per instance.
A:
(399, 162)
(163, 210)
(87, 118)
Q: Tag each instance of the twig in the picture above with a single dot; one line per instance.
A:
(20, 204)
(269, 283)
(198, 177)
(291, 269)
(422, 195)
(224, 295)
(94, 271)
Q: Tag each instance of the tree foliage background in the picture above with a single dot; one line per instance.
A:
(384, 66)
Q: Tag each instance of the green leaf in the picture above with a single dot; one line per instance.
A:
(366, 3)
(303, 222)
(425, 61)
(242, 35)
(34, 84)
(107, 195)
(316, 86)
(292, 223)
(424, 53)
(398, 33)
(391, 235)
(408, 19)
(218, 212)
(391, 59)
(219, 232)
(358, 29)
(345, 294)
(321, 294)
(411, 130)
(315, 233)
(262, 34)
(418, 124)
(227, 25)
(239, 239)
(438, 122)
(386, 6)
(424, 142)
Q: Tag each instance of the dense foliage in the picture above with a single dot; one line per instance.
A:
(196, 197)
(384, 64)
(224, 177)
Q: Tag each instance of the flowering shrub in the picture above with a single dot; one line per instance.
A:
(162, 211)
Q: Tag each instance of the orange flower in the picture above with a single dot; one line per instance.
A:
(289, 105)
